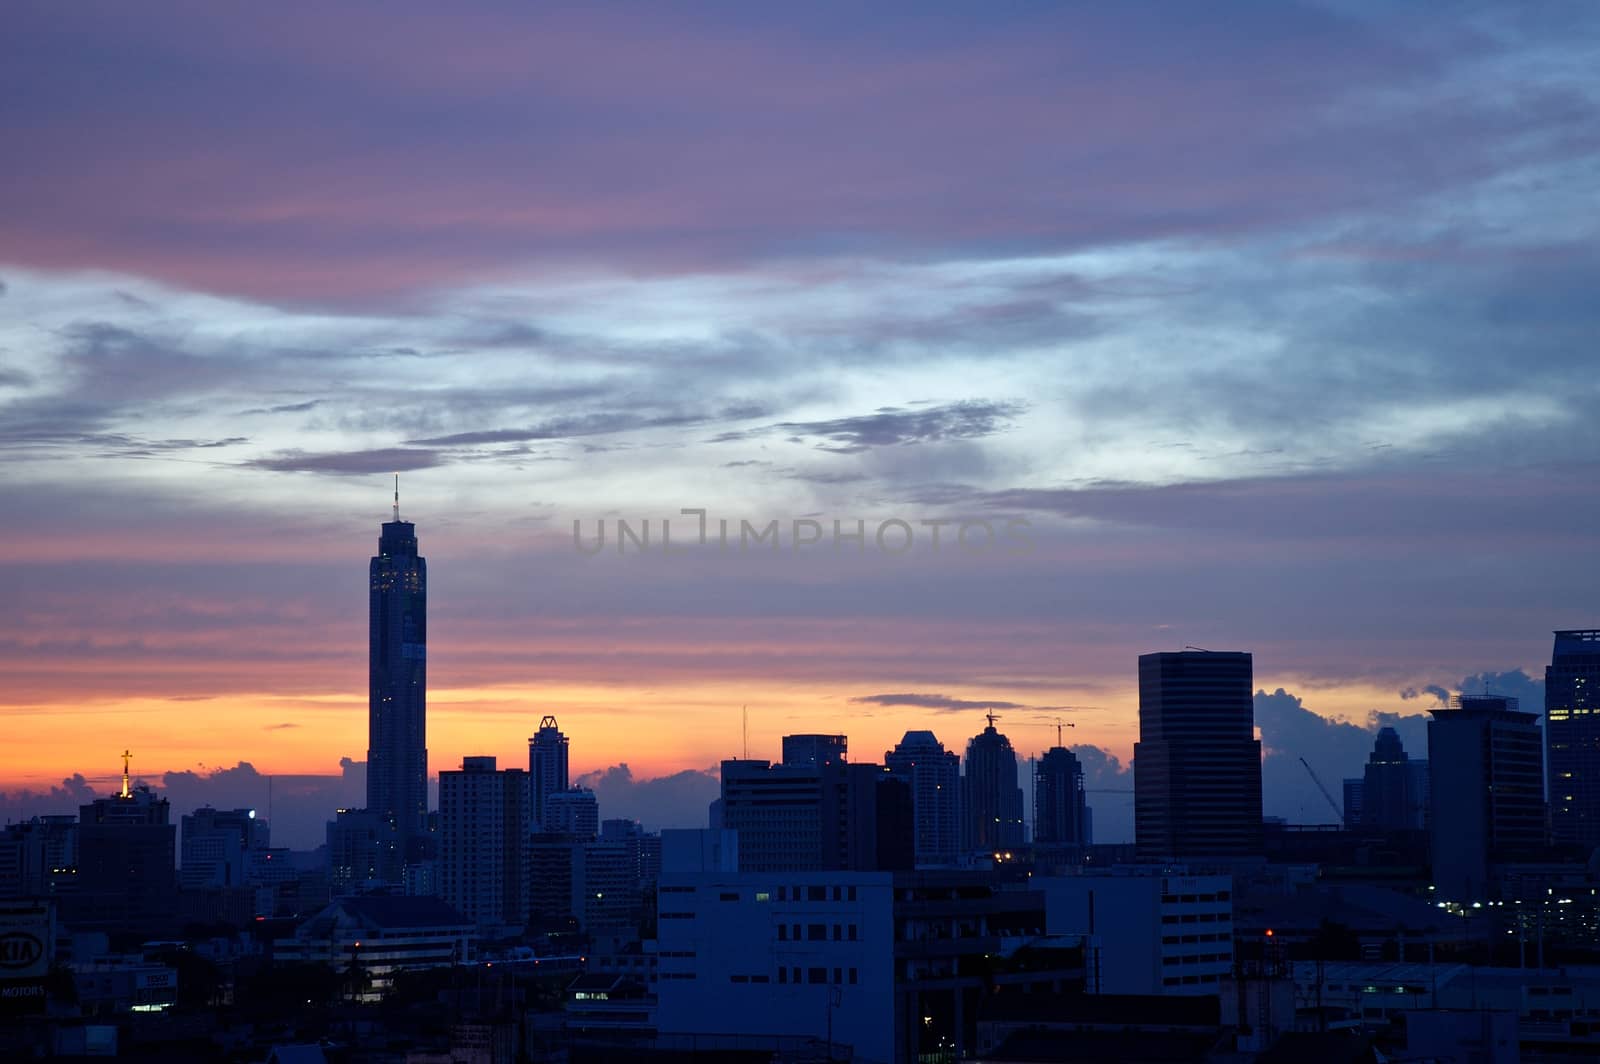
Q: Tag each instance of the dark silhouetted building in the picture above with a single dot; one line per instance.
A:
(483, 842)
(1486, 763)
(1572, 723)
(1392, 794)
(216, 844)
(359, 844)
(127, 868)
(1060, 812)
(818, 817)
(1197, 764)
(574, 812)
(990, 798)
(547, 767)
(397, 725)
(802, 750)
(934, 775)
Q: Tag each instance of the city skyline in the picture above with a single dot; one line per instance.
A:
(1255, 325)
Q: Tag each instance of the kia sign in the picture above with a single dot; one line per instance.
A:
(25, 944)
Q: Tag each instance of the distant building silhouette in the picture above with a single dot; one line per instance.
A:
(1197, 764)
(1060, 811)
(802, 750)
(397, 726)
(360, 843)
(1486, 765)
(127, 867)
(483, 842)
(215, 846)
(990, 798)
(574, 812)
(817, 816)
(1572, 723)
(547, 767)
(934, 774)
(1392, 793)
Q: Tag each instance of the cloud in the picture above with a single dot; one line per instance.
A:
(348, 463)
(279, 727)
(1437, 693)
(895, 426)
(935, 701)
(679, 800)
(300, 805)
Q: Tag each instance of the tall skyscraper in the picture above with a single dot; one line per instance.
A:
(1197, 764)
(1060, 811)
(1572, 730)
(397, 726)
(484, 842)
(934, 774)
(990, 798)
(1486, 770)
(547, 767)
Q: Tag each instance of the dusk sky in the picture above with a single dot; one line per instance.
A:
(1276, 322)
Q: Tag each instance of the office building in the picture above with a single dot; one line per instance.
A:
(1572, 730)
(779, 959)
(547, 767)
(1060, 811)
(1197, 764)
(380, 936)
(800, 751)
(36, 854)
(1486, 769)
(991, 801)
(574, 812)
(484, 843)
(215, 844)
(1149, 933)
(1392, 794)
(359, 844)
(127, 863)
(934, 775)
(818, 816)
(397, 725)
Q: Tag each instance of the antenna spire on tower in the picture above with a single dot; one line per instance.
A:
(397, 497)
(127, 791)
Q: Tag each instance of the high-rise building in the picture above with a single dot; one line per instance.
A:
(1060, 811)
(397, 727)
(934, 774)
(1393, 791)
(547, 767)
(1572, 723)
(990, 798)
(1486, 768)
(574, 812)
(802, 750)
(360, 844)
(817, 816)
(483, 842)
(1197, 764)
(127, 868)
(215, 844)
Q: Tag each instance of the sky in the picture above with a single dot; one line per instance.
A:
(1253, 326)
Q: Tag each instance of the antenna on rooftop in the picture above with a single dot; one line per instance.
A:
(397, 497)
(744, 725)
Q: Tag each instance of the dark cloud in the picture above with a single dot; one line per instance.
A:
(284, 408)
(934, 701)
(14, 378)
(1437, 693)
(597, 424)
(279, 727)
(72, 792)
(681, 800)
(348, 463)
(891, 426)
(300, 805)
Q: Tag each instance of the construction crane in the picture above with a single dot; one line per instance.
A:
(1337, 812)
